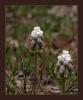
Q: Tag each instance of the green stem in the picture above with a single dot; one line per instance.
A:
(24, 78)
(36, 72)
(64, 86)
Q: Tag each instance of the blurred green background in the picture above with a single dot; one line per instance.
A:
(21, 19)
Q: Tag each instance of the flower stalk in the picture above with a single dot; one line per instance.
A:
(36, 46)
(64, 68)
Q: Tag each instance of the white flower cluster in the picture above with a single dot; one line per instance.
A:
(65, 57)
(63, 65)
(37, 38)
(37, 32)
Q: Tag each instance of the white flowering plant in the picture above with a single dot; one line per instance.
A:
(64, 65)
(64, 68)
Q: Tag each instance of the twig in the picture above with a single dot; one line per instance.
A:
(71, 86)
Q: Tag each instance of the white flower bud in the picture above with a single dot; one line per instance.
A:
(39, 40)
(65, 51)
(58, 64)
(61, 69)
(36, 28)
(60, 58)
